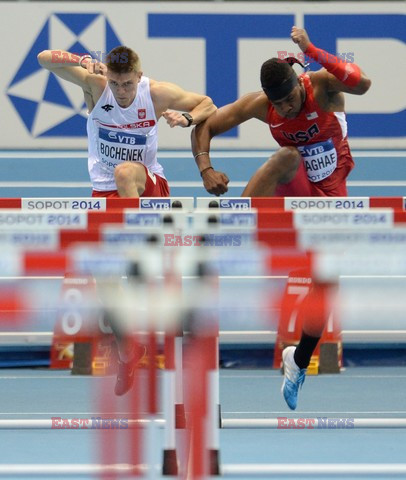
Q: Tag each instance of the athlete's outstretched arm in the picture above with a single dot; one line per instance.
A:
(171, 101)
(253, 105)
(339, 76)
(65, 65)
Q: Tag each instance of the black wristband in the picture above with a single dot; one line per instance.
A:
(189, 118)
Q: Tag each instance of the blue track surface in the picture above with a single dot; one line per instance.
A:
(355, 393)
(64, 173)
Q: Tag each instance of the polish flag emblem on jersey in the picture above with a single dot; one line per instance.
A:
(142, 113)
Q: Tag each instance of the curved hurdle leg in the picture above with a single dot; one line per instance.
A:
(170, 463)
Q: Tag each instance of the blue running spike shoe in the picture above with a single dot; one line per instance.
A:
(293, 377)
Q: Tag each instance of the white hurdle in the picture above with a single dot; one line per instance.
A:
(274, 423)
(313, 470)
(227, 423)
(276, 470)
(70, 470)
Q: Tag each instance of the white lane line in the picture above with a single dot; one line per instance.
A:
(45, 184)
(53, 377)
(57, 413)
(376, 183)
(35, 277)
(276, 374)
(270, 413)
(314, 412)
(186, 184)
(191, 277)
(82, 154)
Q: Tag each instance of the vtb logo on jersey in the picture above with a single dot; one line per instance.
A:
(142, 113)
(107, 107)
(301, 135)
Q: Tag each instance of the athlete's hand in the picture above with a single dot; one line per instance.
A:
(175, 119)
(300, 37)
(97, 68)
(215, 182)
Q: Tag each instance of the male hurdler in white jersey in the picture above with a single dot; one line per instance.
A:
(124, 108)
(117, 135)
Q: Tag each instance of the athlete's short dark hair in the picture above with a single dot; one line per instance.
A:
(123, 60)
(274, 72)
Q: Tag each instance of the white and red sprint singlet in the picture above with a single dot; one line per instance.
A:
(118, 135)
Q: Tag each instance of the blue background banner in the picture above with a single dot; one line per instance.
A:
(208, 47)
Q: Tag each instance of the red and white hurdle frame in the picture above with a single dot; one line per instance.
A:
(274, 217)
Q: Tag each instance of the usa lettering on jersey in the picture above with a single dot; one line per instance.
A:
(302, 135)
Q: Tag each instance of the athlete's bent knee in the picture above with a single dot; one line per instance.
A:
(130, 176)
(286, 161)
(126, 172)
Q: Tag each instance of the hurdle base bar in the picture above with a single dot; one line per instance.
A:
(170, 463)
(180, 416)
(214, 462)
(82, 359)
(329, 360)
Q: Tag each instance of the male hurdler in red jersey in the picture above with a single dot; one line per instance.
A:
(321, 139)
(306, 117)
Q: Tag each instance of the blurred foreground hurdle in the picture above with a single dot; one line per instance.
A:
(298, 229)
(325, 265)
